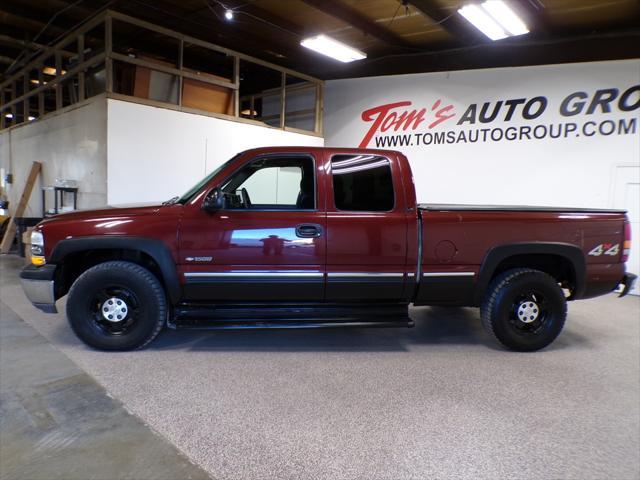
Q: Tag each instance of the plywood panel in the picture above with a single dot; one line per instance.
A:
(205, 96)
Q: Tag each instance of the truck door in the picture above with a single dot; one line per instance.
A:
(366, 228)
(268, 243)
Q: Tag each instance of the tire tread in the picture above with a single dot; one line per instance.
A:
(134, 269)
(491, 299)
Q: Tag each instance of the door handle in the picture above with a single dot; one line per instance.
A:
(308, 230)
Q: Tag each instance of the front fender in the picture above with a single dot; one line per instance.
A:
(155, 248)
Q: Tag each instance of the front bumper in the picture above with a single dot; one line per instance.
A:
(39, 286)
(627, 283)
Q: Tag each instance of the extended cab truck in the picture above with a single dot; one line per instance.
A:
(316, 237)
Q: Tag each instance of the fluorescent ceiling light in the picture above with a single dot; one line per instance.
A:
(506, 17)
(333, 48)
(495, 19)
(482, 21)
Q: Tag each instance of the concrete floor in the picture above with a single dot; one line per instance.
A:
(58, 423)
(437, 401)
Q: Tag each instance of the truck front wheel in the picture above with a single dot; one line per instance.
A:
(524, 309)
(116, 305)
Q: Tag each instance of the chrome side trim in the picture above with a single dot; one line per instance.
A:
(364, 274)
(254, 273)
(293, 274)
(448, 274)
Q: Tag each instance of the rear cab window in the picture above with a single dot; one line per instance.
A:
(362, 183)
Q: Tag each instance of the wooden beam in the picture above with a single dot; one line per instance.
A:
(51, 7)
(267, 18)
(29, 20)
(196, 41)
(354, 18)
(56, 81)
(39, 58)
(19, 44)
(449, 21)
(10, 232)
(515, 52)
(207, 25)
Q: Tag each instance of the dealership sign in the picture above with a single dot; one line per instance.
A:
(404, 124)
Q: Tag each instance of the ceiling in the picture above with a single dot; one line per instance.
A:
(398, 36)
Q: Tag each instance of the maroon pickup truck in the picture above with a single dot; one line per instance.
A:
(320, 237)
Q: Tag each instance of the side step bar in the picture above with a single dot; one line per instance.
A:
(289, 324)
(288, 316)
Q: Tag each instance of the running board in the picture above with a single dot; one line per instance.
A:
(288, 316)
(289, 324)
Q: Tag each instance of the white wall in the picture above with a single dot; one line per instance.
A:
(574, 171)
(156, 153)
(71, 145)
(274, 186)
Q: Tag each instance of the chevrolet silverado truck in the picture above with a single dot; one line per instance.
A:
(320, 237)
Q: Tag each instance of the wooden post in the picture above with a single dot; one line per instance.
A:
(26, 105)
(180, 65)
(81, 87)
(236, 81)
(14, 112)
(10, 233)
(41, 111)
(58, 86)
(108, 50)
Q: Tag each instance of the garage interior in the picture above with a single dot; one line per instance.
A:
(108, 102)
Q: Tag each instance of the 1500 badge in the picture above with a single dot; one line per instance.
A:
(199, 259)
(605, 249)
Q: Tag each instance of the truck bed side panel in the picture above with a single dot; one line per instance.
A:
(456, 244)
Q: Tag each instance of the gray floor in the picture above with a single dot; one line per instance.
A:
(436, 401)
(58, 423)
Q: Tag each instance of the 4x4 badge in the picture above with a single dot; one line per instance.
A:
(605, 249)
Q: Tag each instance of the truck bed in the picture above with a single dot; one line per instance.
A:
(511, 208)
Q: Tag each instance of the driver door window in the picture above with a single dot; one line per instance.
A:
(272, 184)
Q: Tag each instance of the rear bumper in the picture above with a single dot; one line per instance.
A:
(39, 286)
(627, 283)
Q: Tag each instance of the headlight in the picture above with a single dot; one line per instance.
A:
(37, 248)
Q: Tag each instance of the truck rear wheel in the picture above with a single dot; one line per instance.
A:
(116, 305)
(524, 309)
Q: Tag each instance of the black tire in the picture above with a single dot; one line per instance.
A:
(143, 306)
(524, 309)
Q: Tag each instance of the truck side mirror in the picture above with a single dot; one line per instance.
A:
(214, 201)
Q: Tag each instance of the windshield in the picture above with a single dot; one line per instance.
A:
(196, 188)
